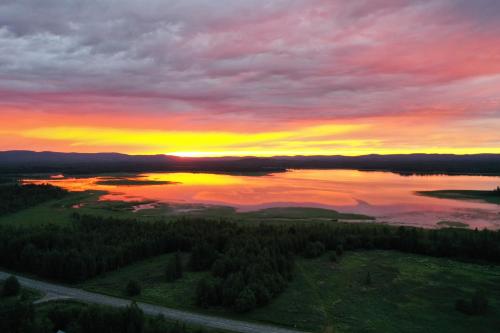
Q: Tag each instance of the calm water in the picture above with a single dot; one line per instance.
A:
(387, 196)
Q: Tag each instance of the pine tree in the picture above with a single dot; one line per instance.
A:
(11, 287)
(133, 288)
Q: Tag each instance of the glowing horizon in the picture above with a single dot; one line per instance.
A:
(198, 78)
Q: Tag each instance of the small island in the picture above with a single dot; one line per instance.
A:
(452, 224)
(484, 196)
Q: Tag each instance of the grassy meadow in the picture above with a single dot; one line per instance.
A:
(406, 293)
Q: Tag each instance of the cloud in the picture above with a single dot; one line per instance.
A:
(251, 61)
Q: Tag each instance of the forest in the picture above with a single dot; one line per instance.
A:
(15, 197)
(20, 316)
(248, 265)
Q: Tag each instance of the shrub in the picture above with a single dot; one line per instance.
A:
(11, 287)
(332, 257)
(133, 288)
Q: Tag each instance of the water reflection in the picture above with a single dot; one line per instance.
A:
(389, 197)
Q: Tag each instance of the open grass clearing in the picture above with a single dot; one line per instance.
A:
(407, 293)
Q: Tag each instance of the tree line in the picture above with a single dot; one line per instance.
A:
(16, 197)
(248, 265)
(20, 316)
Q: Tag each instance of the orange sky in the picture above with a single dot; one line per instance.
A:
(382, 134)
(254, 77)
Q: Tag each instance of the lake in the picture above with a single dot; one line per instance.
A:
(387, 196)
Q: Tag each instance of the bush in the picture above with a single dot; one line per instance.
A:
(11, 287)
(333, 257)
(133, 288)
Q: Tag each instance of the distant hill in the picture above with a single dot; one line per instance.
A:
(29, 161)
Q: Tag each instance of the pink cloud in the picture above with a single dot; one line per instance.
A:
(250, 65)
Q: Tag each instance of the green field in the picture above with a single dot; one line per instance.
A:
(408, 293)
(484, 196)
(155, 289)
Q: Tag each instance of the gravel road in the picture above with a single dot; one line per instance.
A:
(58, 291)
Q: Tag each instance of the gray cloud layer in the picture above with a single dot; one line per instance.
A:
(285, 59)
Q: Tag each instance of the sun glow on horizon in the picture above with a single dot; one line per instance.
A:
(378, 136)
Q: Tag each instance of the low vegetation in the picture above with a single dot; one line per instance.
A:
(484, 196)
(155, 287)
(362, 291)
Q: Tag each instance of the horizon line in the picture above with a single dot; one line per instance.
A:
(201, 155)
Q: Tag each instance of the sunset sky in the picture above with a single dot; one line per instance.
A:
(250, 77)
